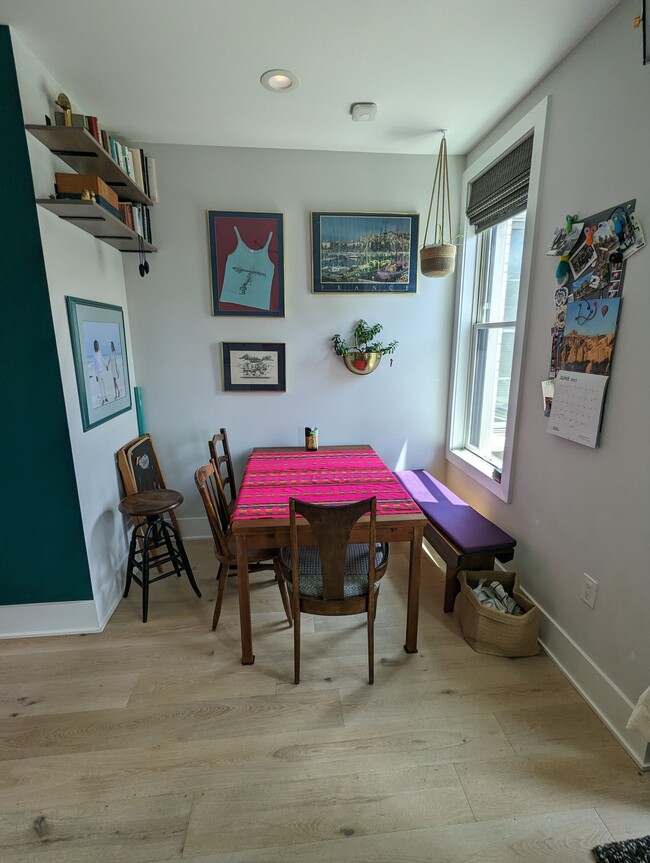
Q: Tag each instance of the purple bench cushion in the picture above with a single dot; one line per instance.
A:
(465, 527)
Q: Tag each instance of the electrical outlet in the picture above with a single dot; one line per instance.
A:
(588, 589)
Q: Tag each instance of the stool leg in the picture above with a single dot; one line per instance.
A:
(129, 563)
(145, 571)
(168, 528)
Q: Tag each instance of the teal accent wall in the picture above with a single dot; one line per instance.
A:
(42, 549)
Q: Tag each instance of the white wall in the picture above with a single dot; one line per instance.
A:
(400, 410)
(78, 265)
(574, 509)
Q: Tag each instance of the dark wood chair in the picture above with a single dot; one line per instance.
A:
(208, 483)
(220, 455)
(334, 577)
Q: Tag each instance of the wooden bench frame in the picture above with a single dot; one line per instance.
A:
(455, 560)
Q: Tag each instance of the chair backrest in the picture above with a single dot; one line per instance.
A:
(208, 483)
(140, 469)
(220, 455)
(332, 527)
(139, 466)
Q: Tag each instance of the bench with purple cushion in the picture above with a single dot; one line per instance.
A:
(463, 538)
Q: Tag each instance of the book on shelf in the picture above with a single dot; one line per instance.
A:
(153, 180)
(136, 159)
(126, 213)
(93, 128)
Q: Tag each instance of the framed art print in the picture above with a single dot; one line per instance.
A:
(364, 253)
(246, 263)
(254, 367)
(100, 361)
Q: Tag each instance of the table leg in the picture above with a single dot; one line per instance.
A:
(413, 602)
(247, 657)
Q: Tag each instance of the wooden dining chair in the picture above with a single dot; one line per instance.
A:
(208, 483)
(334, 577)
(220, 455)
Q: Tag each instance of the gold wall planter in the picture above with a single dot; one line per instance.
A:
(360, 363)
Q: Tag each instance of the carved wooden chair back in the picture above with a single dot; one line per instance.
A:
(334, 577)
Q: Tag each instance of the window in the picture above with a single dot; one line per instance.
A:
(501, 191)
(499, 249)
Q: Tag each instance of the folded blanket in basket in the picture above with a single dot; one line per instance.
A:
(494, 596)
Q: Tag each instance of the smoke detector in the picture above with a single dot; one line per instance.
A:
(363, 112)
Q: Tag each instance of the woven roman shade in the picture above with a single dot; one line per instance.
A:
(502, 191)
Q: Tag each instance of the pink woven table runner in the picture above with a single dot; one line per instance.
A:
(328, 476)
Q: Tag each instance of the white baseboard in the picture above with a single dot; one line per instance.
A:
(51, 618)
(194, 528)
(602, 694)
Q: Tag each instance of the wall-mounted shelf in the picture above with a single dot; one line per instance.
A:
(95, 220)
(77, 148)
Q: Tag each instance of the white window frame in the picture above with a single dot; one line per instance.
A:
(474, 466)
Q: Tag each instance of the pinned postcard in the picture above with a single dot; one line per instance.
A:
(563, 242)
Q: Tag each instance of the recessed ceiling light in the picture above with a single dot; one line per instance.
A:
(279, 80)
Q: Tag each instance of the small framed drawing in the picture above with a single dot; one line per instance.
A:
(246, 263)
(371, 253)
(254, 367)
(100, 361)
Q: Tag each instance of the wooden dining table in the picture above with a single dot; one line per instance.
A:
(331, 475)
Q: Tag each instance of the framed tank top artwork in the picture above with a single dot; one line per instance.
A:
(246, 263)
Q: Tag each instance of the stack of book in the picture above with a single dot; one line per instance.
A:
(136, 217)
(73, 186)
(132, 160)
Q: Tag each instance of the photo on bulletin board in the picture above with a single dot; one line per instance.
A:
(589, 336)
(246, 263)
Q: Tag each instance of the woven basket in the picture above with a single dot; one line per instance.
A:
(489, 631)
(438, 259)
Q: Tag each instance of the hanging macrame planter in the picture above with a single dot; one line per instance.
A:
(439, 258)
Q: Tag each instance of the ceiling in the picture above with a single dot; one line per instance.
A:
(187, 71)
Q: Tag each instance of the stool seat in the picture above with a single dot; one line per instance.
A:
(154, 502)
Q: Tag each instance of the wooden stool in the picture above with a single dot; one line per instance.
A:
(154, 541)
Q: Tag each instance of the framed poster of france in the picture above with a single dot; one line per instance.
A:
(364, 253)
(246, 263)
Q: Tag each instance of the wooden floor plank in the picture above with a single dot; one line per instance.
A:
(324, 808)
(275, 756)
(102, 730)
(67, 695)
(558, 837)
(138, 831)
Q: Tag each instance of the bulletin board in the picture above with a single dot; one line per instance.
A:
(592, 253)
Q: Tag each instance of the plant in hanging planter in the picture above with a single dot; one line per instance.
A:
(439, 258)
(364, 357)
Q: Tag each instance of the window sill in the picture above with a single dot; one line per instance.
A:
(480, 471)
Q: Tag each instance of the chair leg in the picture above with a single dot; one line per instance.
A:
(372, 609)
(222, 579)
(285, 598)
(296, 643)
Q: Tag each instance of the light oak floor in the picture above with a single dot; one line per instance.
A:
(150, 742)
